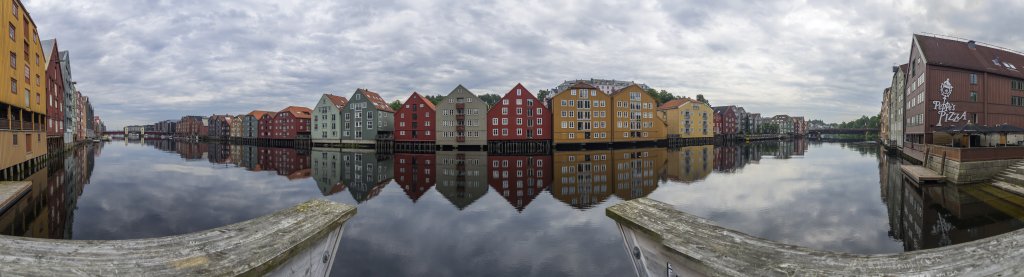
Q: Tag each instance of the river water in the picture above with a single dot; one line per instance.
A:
(470, 214)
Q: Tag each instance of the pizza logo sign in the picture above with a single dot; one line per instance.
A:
(947, 111)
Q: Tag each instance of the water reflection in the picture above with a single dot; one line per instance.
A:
(47, 211)
(823, 196)
(924, 217)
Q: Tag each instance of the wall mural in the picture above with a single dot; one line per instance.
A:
(947, 111)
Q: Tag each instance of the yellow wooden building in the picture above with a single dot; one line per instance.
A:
(581, 115)
(688, 119)
(23, 101)
(635, 116)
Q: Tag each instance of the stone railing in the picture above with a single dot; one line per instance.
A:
(662, 241)
(301, 240)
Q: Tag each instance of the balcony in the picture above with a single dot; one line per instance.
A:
(460, 128)
(5, 124)
(460, 139)
(460, 106)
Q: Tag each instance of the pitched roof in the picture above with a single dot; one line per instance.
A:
(376, 100)
(426, 102)
(48, 46)
(578, 85)
(258, 113)
(298, 112)
(338, 101)
(627, 87)
(983, 58)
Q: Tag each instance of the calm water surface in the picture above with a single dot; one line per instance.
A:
(467, 213)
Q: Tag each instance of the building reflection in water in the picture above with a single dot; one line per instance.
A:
(47, 211)
(327, 170)
(415, 173)
(462, 176)
(582, 179)
(519, 179)
(691, 163)
(365, 172)
(931, 216)
(638, 171)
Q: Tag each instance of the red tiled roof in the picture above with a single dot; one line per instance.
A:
(983, 58)
(377, 100)
(298, 112)
(258, 114)
(338, 101)
(671, 104)
(426, 101)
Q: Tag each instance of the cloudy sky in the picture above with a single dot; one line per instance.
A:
(145, 61)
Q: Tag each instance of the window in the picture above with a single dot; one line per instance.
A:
(494, 121)
(10, 30)
(974, 97)
(1017, 85)
(14, 60)
(974, 78)
(494, 132)
(14, 86)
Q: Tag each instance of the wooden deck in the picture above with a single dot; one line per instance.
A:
(10, 192)
(921, 174)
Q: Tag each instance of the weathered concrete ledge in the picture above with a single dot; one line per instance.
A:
(277, 244)
(661, 239)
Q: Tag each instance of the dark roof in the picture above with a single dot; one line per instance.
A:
(983, 58)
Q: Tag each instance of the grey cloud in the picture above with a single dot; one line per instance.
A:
(825, 59)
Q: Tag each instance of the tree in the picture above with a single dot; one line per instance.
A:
(395, 105)
(700, 97)
(543, 94)
(434, 98)
(490, 99)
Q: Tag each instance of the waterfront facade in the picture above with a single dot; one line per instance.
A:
(251, 123)
(54, 95)
(784, 124)
(366, 118)
(70, 97)
(220, 126)
(799, 126)
(235, 127)
(636, 118)
(688, 119)
(414, 121)
(897, 107)
(290, 123)
(462, 119)
(191, 126)
(951, 82)
(725, 121)
(519, 116)
(327, 119)
(266, 126)
(22, 108)
(581, 115)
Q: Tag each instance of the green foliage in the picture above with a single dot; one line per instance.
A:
(490, 99)
(864, 121)
(543, 94)
(661, 96)
(434, 98)
(769, 128)
(700, 97)
(395, 105)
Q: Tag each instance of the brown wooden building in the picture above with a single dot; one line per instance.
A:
(952, 82)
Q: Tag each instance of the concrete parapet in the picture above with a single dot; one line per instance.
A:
(660, 240)
(300, 240)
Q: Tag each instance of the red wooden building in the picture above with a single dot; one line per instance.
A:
(519, 123)
(265, 126)
(54, 95)
(415, 173)
(725, 121)
(519, 179)
(290, 123)
(415, 122)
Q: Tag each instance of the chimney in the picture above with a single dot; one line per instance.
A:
(895, 69)
(971, 44)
